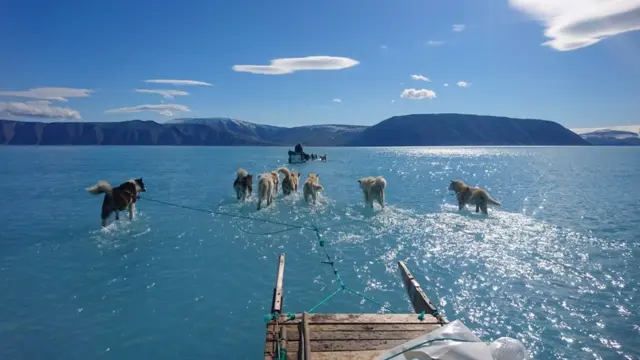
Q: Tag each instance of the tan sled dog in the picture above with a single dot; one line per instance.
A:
(266, 189)
(119, 198)
(290, 181)
(471, 195)
(373, 189)
(243, 185)
(311, 187)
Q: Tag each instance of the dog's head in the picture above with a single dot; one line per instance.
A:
(456, 185)
(361, 183)
(139, 185)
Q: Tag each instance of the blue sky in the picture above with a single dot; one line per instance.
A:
(577, 62)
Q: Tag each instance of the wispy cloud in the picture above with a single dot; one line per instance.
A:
(162, 109)
(435, 43)
(458, 27)
(446, 84)
(574, 24)
(290, 65)
(463, 84)
(392, 101)
(337, 100)
(418, 94)
(420, 77)
(38, 109)
(48, 93)
(178, 82)
(167, 94)
(383, 47)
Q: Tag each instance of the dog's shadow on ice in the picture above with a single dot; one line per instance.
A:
(465, 212)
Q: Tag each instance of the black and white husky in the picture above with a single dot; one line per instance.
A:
(119, 198)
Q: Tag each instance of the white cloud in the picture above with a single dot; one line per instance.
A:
(463, 84)
(420, 77)
(383, 47)
(167, 94)
(574, 24)
(162, 109)
(289, 65)
(178, 82)
(417, 94)
(392, 101)
(39, 109)
(446, 84)
(337, 100)
(435, 42)
(457, 27)
(48, 93)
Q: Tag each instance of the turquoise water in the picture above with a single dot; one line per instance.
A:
(557, 266)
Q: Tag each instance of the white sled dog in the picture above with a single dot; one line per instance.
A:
(312, 187)
(373, 189)
(267, 185)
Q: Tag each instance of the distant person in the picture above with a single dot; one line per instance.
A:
(299, 148)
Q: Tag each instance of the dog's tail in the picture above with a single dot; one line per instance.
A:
(242, 173)
(102, 187)
(284, 171)
(492, 202)
(381, 182)
(317, 187)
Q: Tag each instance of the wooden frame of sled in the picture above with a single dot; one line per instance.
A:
(346, 336)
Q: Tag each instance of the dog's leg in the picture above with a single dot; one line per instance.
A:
(477, 208)
(106, 212)
(132, 207)
(381, 199)
(461, 205)
(117, 215)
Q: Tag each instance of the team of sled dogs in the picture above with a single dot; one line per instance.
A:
(124, 196)
(373, 188)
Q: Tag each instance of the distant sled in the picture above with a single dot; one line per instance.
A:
(296, 158)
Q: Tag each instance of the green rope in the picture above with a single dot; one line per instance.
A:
(372, 300)
(293, 226)
(268, 318)
(331, 263)
(324, 300)
(426, 343)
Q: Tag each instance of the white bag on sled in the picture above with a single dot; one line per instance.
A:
(455, 341)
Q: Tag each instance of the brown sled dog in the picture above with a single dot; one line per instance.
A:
(290, 181)
(471, 195)
(243, 185)
(119, 198)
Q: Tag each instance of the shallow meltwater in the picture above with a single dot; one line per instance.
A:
(557, 271)
(506, 274)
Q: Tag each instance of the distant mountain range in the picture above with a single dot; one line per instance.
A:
(612, 137)
(407, 130)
